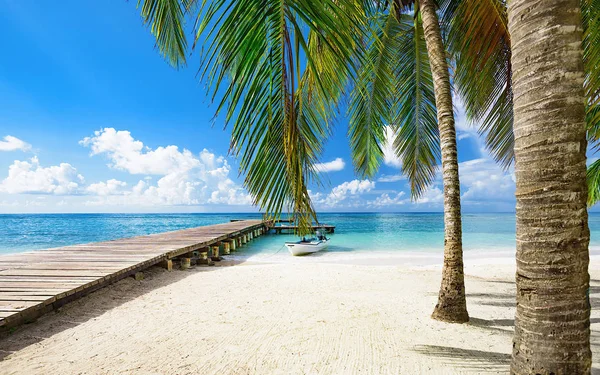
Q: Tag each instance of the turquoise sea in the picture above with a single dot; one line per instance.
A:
(417, 237)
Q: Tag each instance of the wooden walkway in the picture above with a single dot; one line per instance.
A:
(36, 282)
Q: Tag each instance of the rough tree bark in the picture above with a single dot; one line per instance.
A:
(552, 326)
(452, 305)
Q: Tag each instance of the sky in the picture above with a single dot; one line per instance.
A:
(92, 119)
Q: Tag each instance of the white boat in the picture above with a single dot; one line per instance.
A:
(309, 246)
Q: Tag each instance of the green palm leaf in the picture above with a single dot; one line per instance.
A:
(395, 88)
(590, 10)
(593, 181)
(260, 58)
(417, 139)
(373, 94)
(167, 23)
(479, 41)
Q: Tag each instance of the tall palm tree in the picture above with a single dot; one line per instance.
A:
(405, 83)
(552, 321)
(280, 114)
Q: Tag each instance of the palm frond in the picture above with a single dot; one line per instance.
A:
(417, 141)
(593, 181)
(479, 42)
(257, 56)
(167, 23)
(590, 10)
(373, 94)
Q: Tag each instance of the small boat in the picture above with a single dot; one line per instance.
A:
(307, 246)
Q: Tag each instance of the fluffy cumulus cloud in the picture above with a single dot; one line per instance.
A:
(343, 191)
(186, 178)
(387, 200)
(110, 187)
(331, 166)
(10, 143)
(485, 181)
(434, 195)
(30, 177)
(126, 153)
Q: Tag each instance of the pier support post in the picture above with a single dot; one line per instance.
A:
(239, 241)
(204, 259)
(215, 253)
(167, 264)
(226, 248)
(232, 244)
(244, 239)
(186, 263)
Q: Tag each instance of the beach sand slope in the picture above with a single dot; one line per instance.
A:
(309, 318)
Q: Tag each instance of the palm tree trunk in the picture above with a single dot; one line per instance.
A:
(552, 326)
(452, 304)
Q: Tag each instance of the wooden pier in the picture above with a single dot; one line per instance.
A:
(37, 282)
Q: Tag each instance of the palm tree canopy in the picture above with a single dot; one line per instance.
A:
(479, 41)
(395, 88)
(276, 69)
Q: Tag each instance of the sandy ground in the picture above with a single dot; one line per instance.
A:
(278, 319)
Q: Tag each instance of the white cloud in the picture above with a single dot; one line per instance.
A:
(30, 177)
(186, 179)
(346, 189)
(389, 154)
(11, 143)
(331, 166)
(110, 187)
(384, 200)
(486, 181)
(433, 195)
(128, 154)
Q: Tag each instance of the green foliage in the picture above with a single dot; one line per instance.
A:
(280, 109)
(590, 10)
(417, 139)
(593, 181)
(479, 42)
(167, 23)
(395, 88)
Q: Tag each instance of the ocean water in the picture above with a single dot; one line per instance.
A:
(414, 237)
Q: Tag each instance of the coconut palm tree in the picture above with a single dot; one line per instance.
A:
(404, 83)
(552, 321)
(272, 103)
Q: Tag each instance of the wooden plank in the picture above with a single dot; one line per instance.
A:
(55, 273)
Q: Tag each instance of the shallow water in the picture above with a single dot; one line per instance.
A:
(416, 237)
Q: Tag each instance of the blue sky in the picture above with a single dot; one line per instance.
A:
(93, 120)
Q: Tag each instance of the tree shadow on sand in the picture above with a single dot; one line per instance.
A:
(476, 361)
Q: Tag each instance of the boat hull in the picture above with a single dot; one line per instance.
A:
(300, 248)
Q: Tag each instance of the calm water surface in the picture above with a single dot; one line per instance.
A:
(410, 234)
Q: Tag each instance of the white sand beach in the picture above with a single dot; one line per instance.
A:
(285, 318)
